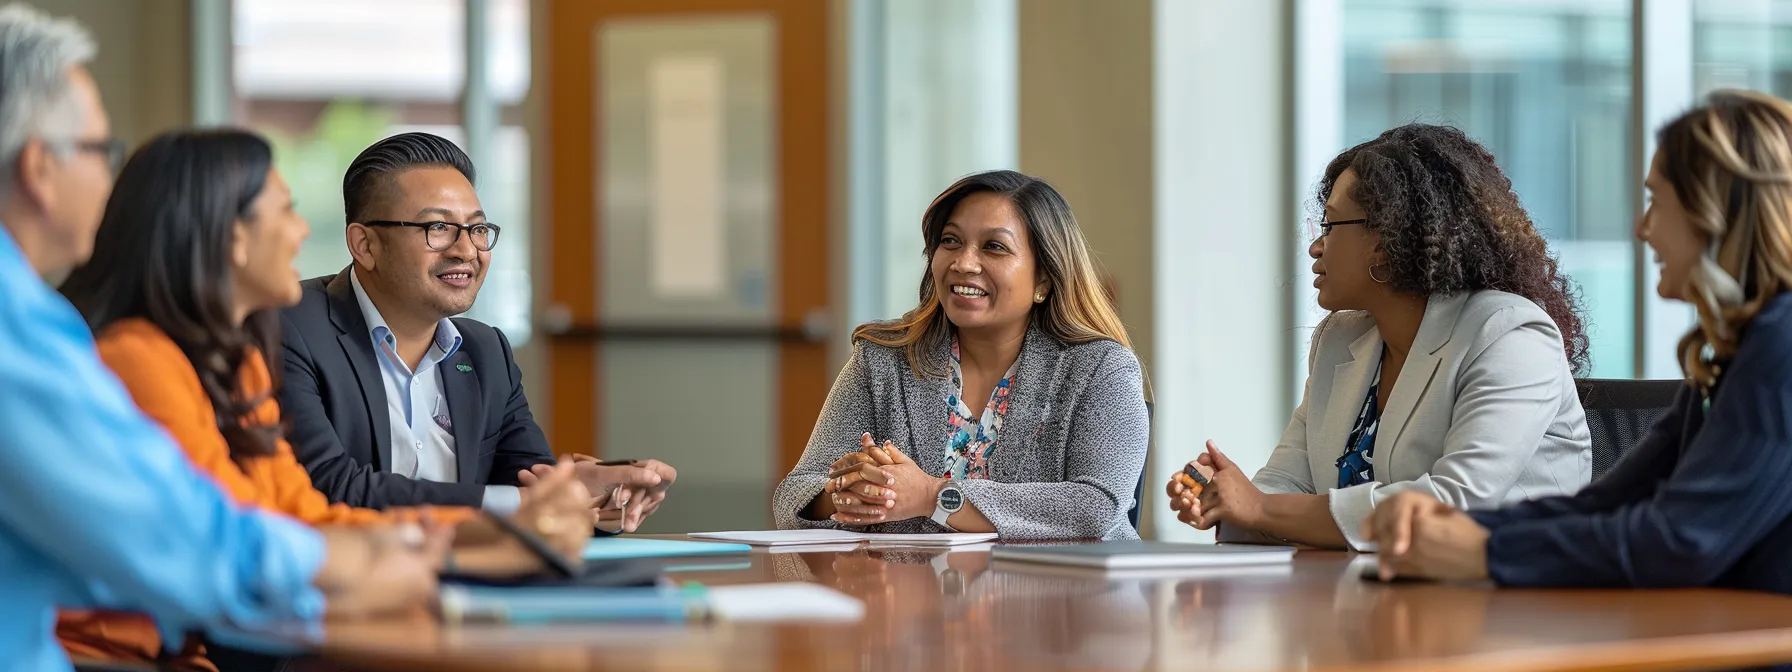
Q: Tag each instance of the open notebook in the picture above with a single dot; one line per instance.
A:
(773, 538)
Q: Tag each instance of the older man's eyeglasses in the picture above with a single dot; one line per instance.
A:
(110, 149)
(443, 235)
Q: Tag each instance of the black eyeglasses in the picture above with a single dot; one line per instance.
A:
(1319, 228)
(443, 235)
(112, 149)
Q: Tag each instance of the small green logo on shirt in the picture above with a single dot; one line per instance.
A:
(464, 368)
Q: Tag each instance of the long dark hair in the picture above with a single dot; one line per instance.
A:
(1076, 310)
(163, 254)
(1450, 222)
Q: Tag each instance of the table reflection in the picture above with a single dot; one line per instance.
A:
(948, 610)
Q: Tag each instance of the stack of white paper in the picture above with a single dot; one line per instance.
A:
(784, 602)
(775, 538)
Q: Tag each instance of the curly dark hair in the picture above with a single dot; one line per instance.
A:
(1450, 222)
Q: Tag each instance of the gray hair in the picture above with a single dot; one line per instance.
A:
(36, 101)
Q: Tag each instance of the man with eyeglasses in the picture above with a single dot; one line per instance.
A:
(393, 401)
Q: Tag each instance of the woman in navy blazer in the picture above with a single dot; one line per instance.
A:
(1706, 498)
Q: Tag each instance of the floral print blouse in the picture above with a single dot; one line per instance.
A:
(970, 440)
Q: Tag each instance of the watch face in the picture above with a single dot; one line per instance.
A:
(951, 499)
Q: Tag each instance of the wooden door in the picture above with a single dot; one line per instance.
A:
(688, 214)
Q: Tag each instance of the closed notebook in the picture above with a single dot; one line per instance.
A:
(1196, 573)
(618, 548)
(1140, 554)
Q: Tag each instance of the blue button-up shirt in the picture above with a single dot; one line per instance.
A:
(417, 409)
(99, 508)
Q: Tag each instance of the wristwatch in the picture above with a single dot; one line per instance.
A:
(949, 501)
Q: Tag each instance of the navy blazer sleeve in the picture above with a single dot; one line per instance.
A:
(338, 475)
(521, 443)
(1728, 488)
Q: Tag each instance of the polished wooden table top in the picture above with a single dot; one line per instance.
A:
(928, 610)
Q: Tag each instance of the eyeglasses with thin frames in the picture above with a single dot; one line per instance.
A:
(110, 149)
(440, 236)
(1318, 227)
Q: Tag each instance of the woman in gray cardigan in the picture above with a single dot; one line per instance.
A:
(1009, 401)
(1445, 368)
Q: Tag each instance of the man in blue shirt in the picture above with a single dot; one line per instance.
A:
(97, 507)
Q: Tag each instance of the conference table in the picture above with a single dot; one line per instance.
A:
(959, 610)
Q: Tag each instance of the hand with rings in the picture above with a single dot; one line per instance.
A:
(858, 487)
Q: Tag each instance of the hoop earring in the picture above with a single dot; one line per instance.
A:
(1378, 281)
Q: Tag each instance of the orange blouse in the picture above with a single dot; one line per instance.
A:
(166, 386)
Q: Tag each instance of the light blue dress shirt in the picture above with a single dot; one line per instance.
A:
(99, 508)
(416, 408)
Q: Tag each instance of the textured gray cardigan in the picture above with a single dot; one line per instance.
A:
(1064, 466)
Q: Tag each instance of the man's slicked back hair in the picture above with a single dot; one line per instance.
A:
(369, 177)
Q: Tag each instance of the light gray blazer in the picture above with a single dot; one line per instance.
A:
(1064, 467)
(1484, 412)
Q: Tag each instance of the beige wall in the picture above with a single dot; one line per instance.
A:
(144, 69)
(1086, 126)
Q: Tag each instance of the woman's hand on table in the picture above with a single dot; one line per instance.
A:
(1421, 537)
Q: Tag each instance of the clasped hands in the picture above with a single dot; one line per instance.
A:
(879, 484)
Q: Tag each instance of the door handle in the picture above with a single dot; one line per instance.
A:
(557, 322)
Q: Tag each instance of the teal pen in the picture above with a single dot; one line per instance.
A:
(542, 605)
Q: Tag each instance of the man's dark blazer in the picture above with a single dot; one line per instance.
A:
(335, 405)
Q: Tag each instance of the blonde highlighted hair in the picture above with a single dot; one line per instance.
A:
(1730, 164)
(1076, 308)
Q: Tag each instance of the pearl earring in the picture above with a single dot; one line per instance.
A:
(1038, 298)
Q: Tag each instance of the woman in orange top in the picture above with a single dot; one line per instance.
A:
(194, 258)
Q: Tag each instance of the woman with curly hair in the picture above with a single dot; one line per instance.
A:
(1445, 367)
(1703, 499)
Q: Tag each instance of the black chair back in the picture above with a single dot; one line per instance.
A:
(1620, 412)
(1138, 493)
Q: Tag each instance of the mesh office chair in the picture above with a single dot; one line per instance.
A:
(1138, 492)
(1620, 412)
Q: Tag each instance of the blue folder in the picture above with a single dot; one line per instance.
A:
(540, 605)
(623, 548)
